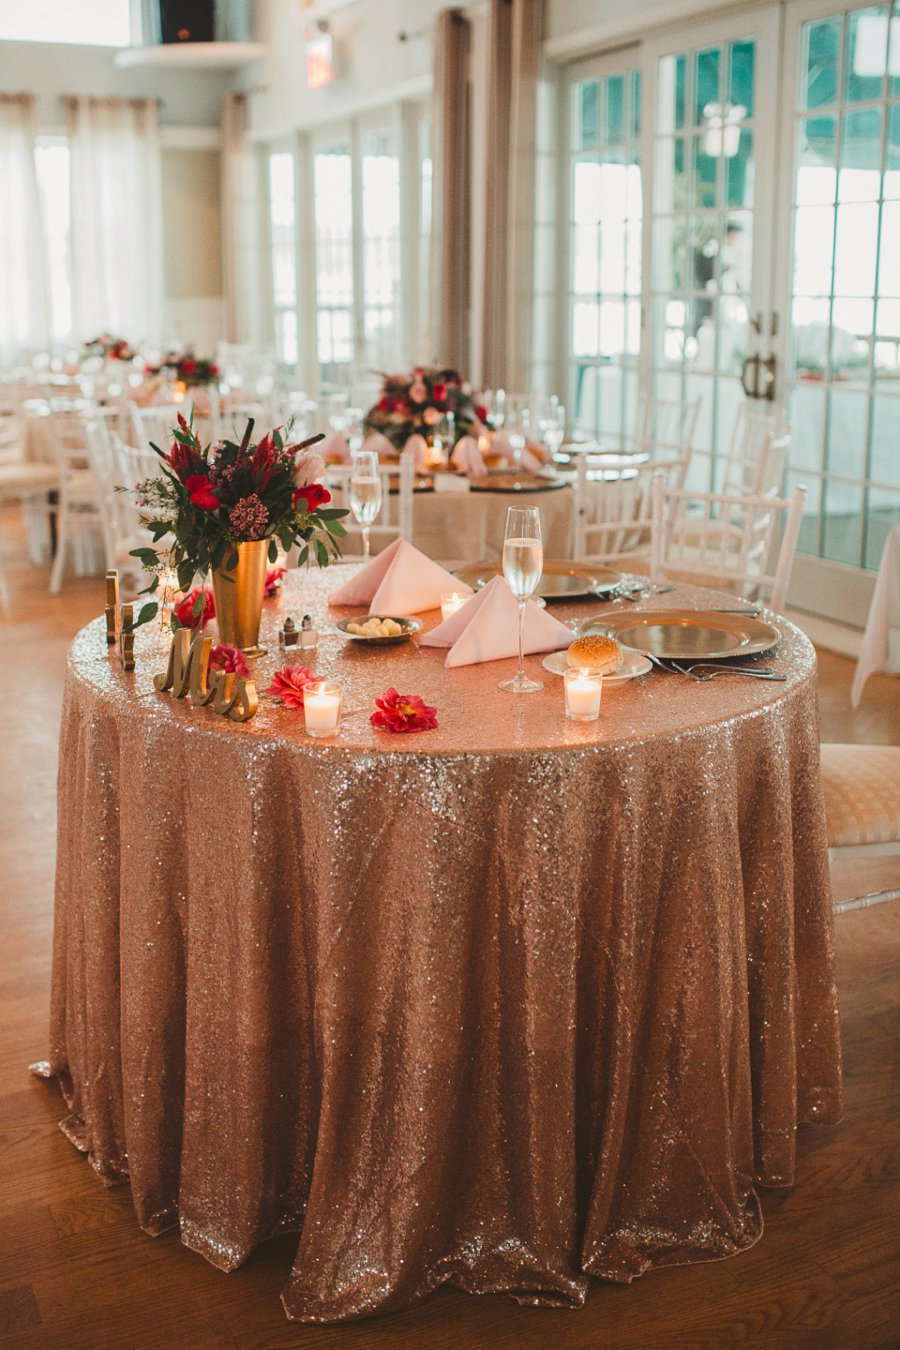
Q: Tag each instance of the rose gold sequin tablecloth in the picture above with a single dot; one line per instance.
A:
(506, 1004)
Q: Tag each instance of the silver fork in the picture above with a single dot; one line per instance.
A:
(763, 673)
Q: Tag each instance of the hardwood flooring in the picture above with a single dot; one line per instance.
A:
(77, 1273)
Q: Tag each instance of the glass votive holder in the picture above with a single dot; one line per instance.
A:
(451, 602)
(322, 708)
(583, 689)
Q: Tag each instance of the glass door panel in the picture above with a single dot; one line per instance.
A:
(283, 240)
(604, 250)
(381, 248)
(843, 280)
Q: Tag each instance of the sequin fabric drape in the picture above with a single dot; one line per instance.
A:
(506, 1005)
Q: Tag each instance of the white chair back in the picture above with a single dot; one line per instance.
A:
(687, 540)
(395, 520)
(613, 507)
(153, 425)
(667, 425)
(757, 454)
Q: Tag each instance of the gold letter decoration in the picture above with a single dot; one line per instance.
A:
(187, 672)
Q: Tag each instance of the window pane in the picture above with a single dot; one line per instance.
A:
(334, 258)
(52, 163)
(867, 41)
(823, 49)
(381, 247)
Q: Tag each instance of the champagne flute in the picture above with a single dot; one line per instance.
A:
(365, 491)
(553, 425)
(523, 562)
(518, 426)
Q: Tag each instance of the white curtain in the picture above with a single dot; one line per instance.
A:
(116, 247)
(242, 244)
(24, 308)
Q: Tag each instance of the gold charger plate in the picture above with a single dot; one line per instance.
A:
(693, 633)
(560, 580)
(498, 481)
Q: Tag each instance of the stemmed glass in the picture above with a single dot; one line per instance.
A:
(523, 563)
(494, 401)
(365, 491)
(518, 425)
(553, 424)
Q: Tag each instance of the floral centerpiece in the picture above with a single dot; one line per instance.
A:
(191, 370)
(228, 508)
(417, 402)
(110, 348)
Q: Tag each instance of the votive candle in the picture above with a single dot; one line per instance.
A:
(322, 708)
(583, 692)
(451, 603)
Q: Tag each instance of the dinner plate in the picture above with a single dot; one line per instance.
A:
(516, 482)
(409, 626)
(633, 664)
(560, 580)
(690, 633)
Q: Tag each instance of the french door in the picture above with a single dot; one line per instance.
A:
(757, 155)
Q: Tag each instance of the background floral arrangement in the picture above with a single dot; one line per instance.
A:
(190, 369)
(417, 402)
(110, 348)
(209, 499)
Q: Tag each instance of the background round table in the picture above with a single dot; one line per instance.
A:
(506, 1004)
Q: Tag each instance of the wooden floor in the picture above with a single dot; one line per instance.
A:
(77, 1273)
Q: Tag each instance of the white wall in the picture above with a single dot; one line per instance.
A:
(376, 65)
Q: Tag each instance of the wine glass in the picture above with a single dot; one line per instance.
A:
(523, 562)
(494, 401)
(553, 424)
(365, 491)
(518, 425)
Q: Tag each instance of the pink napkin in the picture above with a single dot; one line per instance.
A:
(418, 447)
(466, 457)
(401, 580)
(531, 460)
(486, 628)
(379, 445)
(335, 448)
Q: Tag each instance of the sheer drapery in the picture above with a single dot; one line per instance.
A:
(24, 308)
(242, 245)
(116, 250)
(514, 48)
(450, 240)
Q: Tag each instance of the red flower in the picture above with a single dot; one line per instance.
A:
(227, 658)
(183, 423)
(312, 497)
(201, 492)
(481, 412)
(263, 461)
(213, 371)
(383, 403)
(184, 610)
(184, 460)
(188, 365)
(273, 580)
(403, 712)
(439, 391)
(287, 685)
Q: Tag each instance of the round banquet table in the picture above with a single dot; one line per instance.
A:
(505, 1004)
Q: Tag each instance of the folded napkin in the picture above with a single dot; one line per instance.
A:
(487, 628)
(531, 455)
(401, 580)
(335, 448)
(466, 457)
(417, 446)
(379, 445)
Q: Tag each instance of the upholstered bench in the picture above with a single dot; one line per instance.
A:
(862, 809)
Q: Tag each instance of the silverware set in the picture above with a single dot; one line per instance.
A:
(712, 669)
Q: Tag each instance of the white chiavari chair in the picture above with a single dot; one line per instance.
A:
(78, 511)
(613, 507)
(665, 427)
(688, 544)
(757, 454)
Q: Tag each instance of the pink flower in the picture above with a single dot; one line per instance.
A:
(230, 659)
(184, 609)
(248, 518)
(273, 580)
(287, 685)
(403, 712)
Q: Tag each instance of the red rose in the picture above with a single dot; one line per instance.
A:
(230, 659)
(287, 685)
(481, 412)
(312, 497)
(188, 366)
(201, 492)
(403, 712)
(439, 391)
(383, 403)
(213, 371)
(184, 609)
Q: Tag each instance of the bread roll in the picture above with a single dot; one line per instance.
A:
(595, 652)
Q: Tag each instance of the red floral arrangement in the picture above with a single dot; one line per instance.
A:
(230, 659)
(274, 578)
(418, 401)
(208, 499)
(403, 712)
(288, 685)
(190, 369)
(194, 610)
(110, 348)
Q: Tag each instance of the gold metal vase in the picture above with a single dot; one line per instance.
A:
(238, 595)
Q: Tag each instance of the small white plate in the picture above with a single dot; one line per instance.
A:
(633, 664)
